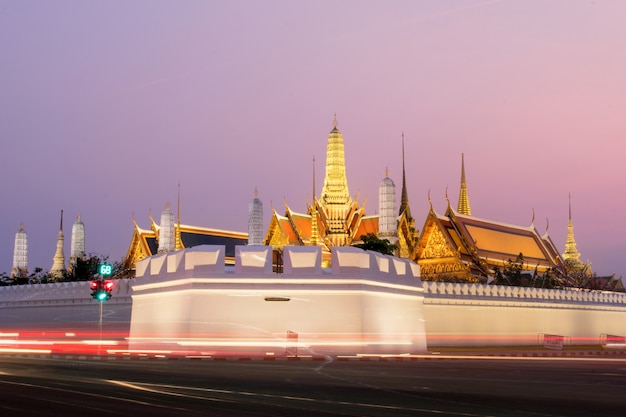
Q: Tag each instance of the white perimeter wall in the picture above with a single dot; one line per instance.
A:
(483, 315)
(64, 306)
(368, 303)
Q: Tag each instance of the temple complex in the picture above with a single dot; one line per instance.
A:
(453, 246)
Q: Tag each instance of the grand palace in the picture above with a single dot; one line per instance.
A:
(451, 246)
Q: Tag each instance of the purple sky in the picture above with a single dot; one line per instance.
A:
(105, 106)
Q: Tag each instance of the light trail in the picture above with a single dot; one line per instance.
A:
(165, 389)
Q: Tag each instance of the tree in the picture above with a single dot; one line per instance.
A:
(85, 268)
(372, 242)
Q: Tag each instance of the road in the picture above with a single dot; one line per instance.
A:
(443, 387)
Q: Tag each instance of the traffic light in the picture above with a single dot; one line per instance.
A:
(101, 290)
(94, 285)
(108, 287)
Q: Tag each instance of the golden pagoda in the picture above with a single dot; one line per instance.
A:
(338, 219)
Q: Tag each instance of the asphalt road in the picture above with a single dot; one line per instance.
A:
(444, 387)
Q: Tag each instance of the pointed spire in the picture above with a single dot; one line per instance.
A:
(77, 244)
(335, 198)
(20, 254)
(58, 262)
(387, 218)
(255, 220)
(404, 199)
(464, 205)
(167, 231)
(571, 254)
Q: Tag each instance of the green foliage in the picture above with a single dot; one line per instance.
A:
(371, 242)
(85, 269)
(514, 274)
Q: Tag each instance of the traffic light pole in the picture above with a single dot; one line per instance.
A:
(100, 330)
(101, 290)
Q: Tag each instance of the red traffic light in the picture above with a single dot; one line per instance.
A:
(108, 285)
(94, 285)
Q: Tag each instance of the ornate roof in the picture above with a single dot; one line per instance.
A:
(144, 242)
(468, 247)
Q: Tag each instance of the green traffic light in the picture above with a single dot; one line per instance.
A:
(102, 296)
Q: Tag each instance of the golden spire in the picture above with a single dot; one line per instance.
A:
(335, 198)
(404, 199)
(571, 254)
(464, 205)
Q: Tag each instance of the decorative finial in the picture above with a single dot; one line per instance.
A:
(547, 225)
(167, 205)
(386, 171)
(335, 121)
(78, 217)
(256, 192)
(532, 221)
(569, 197)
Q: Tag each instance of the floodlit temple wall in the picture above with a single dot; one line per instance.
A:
(489, 315)
(188, 300)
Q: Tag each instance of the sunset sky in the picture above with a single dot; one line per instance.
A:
(106, 106)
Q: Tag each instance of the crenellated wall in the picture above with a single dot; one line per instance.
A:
(367, 303)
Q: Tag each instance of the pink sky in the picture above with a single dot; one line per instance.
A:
(105, 106)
